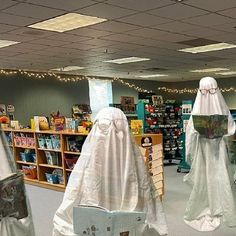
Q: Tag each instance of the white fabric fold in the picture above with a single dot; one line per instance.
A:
(111, 173)
(213, 193)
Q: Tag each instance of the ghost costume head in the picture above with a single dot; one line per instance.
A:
(110, 173)
(10, 225)
(212, 196)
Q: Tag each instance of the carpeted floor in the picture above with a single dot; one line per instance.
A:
(45, 202)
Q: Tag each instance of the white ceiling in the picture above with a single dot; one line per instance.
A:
(152, 29)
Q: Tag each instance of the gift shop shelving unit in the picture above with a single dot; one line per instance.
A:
(46, 157)
(151, 147)
(165, 119)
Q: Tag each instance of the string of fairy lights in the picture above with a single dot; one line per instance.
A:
(71, 78)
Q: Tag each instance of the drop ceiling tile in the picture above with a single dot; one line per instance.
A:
(172, 37)
(112, 26)
(29, 10)
(225, 37)
(140, 5)
(81, 46)
(29, 32)
(68, 38)
(209, 20)
(212, 5)
(177, 12)
(125, 46)
(9, 54)
(33, 47)
(146, 33)
(6, 28)
(15, 37)
(16, 20)
(176, 27)
(70, 5)
(229, 12)
(18, 49)
(203, 32)
(6, 3)
(48, 42)
(89, 32)
(228, 27)
(120, 38)
(105, 11)
(198, 42)
(143, 19)
(100, 42)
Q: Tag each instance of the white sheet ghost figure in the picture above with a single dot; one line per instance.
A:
(211, 176)
(111, 173)
(15, 213)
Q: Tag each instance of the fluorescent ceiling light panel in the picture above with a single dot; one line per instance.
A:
(151, 76)
(67, 22)
(209, 70)
(208, 48)
(6, 43)
(69, 68)
(227, 73)
(128, 60)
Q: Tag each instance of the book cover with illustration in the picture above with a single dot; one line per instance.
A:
(12, 197)
(136, 126)
(212, 126)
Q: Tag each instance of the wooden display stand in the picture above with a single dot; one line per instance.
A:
(30, 142)
(151, 146)
(26, 139)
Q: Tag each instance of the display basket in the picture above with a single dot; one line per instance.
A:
(52, 178)
(30, 172)
(26, 157)
(52, 158)
(70, 162)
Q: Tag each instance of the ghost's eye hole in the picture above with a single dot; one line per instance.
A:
(203, 91)
(212, 90)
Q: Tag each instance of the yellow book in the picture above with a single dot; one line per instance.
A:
(136, 126)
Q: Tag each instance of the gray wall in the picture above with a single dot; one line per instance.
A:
(41, 97)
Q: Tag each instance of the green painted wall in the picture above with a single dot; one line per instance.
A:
(41, 97)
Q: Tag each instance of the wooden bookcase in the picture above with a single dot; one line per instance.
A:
(65, 151)
(29, 140)
(151, 146)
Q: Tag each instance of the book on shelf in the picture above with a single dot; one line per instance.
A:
(74, 143)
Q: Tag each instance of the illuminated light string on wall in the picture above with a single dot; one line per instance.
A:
(70, 78)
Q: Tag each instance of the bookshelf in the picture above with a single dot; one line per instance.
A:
(46, 152)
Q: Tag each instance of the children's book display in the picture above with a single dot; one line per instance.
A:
(212, 126)
(163, 118)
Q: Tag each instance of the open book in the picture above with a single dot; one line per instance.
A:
(212, 126)
(12, 197)
(92, 220)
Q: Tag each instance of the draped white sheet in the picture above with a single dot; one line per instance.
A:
(213, 194)
(10, 226)
(111, 173)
